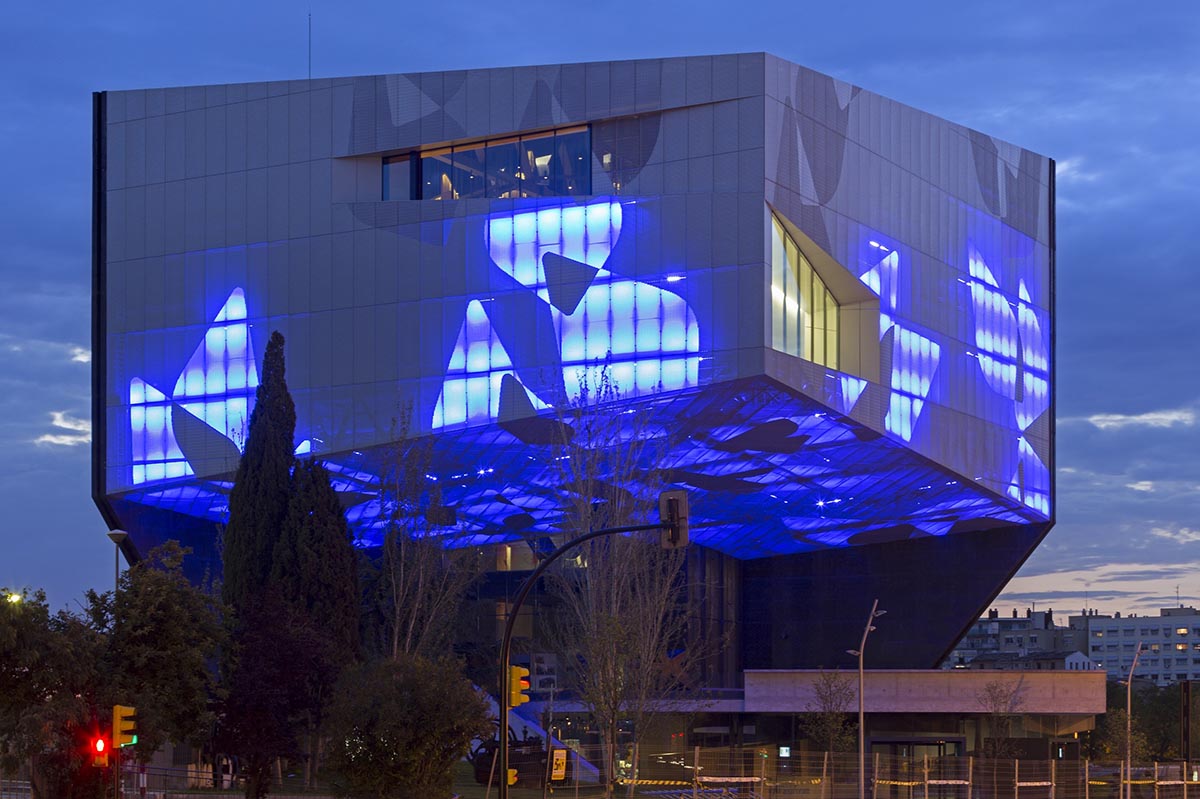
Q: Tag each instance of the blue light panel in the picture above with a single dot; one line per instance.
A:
(216, 386)
(645, 337)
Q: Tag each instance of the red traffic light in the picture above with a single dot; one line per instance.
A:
(99, 752)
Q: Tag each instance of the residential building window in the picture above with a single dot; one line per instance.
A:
(804, 313)
(1181, 630)
(555, 163)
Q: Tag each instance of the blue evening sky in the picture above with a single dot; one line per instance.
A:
(1109, 90)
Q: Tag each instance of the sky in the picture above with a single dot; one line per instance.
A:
(1110, 91)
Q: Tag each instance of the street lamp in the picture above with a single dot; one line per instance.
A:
(117, 537)
(862, 746)
(1129, 725)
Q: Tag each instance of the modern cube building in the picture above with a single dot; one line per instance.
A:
(835, 310)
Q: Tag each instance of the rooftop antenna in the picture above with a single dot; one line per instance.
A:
(310, 40)
(1177, 602)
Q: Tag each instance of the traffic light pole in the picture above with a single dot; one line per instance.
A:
(506, 642)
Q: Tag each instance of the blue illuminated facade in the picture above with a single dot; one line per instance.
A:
(837, 311)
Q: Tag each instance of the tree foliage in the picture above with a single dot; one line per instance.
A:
(828, 722)
(315, 571)
(50, 704)
(165, 635)
(315, 567)
(398, 725)
(1107, 741)
(278, 653)
(61, 673)
(258, 502)
(291, 579)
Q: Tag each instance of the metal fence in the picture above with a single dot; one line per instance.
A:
(747, 772)
(751, 772)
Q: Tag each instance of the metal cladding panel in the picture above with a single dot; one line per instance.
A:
(950, 230)
(234, 211)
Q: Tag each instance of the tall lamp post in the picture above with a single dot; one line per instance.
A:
(862, 733)
(117, 537)
(1129, 725)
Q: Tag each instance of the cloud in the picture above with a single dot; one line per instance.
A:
(77, 431)
(81, 355)
(1116, 421)
(1141, 485)
(1180, 535)
(1070, 170)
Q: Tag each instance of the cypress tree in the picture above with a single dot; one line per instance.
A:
(315, 566)
(258, 503)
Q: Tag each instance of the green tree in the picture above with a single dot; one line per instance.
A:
(165, 635)
(258, 503)
(397, 726)
(49, 705)
(60, 674)
(1107, 741)
(315, 570)
(315, 566)
(277, 651)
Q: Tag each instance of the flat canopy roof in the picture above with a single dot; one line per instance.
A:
(933, 691)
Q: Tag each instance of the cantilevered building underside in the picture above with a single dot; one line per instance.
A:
(833, 311)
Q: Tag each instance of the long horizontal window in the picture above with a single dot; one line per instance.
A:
(804, 313)
(555, 163)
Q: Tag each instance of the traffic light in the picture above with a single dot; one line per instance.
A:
(124, 725)
(518, 684)
(512, 776)
(673, 513)
(99, 749)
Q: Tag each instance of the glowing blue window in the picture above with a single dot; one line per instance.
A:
(647, 335)
(216, 386)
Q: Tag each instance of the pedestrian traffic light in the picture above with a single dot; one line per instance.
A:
(518, 684)
(512, 776)
(673, 513)
(124, 725)
(99, 750)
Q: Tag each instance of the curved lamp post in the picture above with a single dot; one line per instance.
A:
(862, 748)
(117, 537)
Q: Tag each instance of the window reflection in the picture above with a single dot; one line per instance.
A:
(468, 177)
(551, 164)
(436, 172)
(537, 165)
(503, 164)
